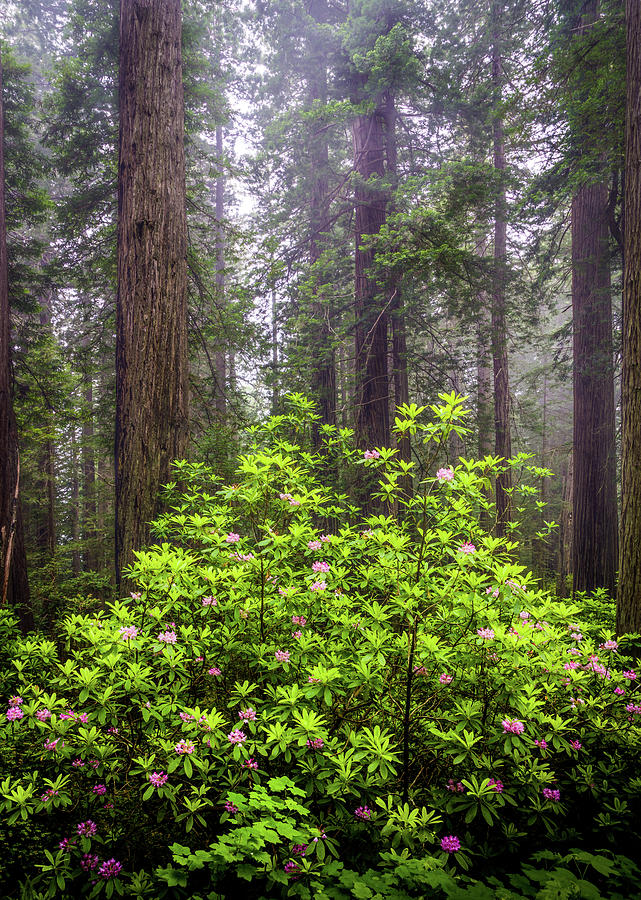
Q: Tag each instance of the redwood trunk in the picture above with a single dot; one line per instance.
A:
(629, 596)
(323, 379)
(372, 386)
(594, 546)
(502, 439)
(14, 584)
(221, 395)
(151, 333)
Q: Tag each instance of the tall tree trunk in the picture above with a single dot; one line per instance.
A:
(14, 583)
(397, 314)
(88, 474)
(565, 532)
(503, 443)
(372, 385)
(221, 397)
(274, 309)
(323, 360)
(151, 322)
(45, 487)
(629, 595)
(75, 506)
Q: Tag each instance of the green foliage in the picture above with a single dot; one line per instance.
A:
(300, 701)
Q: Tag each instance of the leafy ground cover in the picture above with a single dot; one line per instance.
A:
(300, 700)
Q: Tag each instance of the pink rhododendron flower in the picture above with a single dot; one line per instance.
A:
(371, 454)
(158, 778)
(318, 586)
(608, 645)
(314, 545)
(457, 788)
(213, 671)
(576, 745)
(209, 601)
(497, 785)
(231, 808)
(299, 620)
(553, 794)
(486, 633)
(315, 743)
(43, 714)
(236, 736)
(128, 632)
(513, 726)
(232, 537)
(364, 813)
(250, 763)
(320, 566)
(444, 678)
(184, 747)
(630, 674)
(467, 547)
(248, 715)
(167, 637)
(445, 474)
(15, 700)
(450, 843)
(14, 713)
(282, 655)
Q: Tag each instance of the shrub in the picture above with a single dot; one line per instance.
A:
(299, 700)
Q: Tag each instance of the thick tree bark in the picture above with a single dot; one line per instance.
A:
(503, 442)
(629, 595)
(372, 383)
(151, 334)
(89, 535)
(594, 546)
(75, 506)
(14, 583)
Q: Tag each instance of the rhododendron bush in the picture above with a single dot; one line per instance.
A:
(298, 699)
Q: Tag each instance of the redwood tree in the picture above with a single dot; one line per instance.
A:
(151, 334)
(629, 595)
(14, 585)
(594, 511)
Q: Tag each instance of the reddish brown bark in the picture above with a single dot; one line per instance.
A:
(629, 595)
(14, 583)
(372, 383)
(151, 338)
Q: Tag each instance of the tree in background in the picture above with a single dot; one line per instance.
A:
(151, 334)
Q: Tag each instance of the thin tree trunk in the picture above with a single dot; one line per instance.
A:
(503, 443)
(221, 401)
(14, 583)
(45, 529)
(323, 362)
(75, 506)
(565, 532)
(88, 475)
(274, 312)
(629, 595)
(397, 314)
(151, 323)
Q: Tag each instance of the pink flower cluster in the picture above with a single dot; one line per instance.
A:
(315, 743)
(167, 637)
(364, 813)
(450, 843)
(247, 715)
(486, 633)
(158, 778)
(232, 537)
(552, 794)
(318, 586)
(213, 671)
(445, 474)
(184, 747)
(497, 785)
(209, 601)
(299, 620)
(290, 499)
(320, 566)
(456, 788)
(282, 655)
(467, 548)
(128, 632)
(87, 829)
(444, 678)
(513, 726)
(250, 763)
(236, 736)
(314, 545)
(371, 454)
